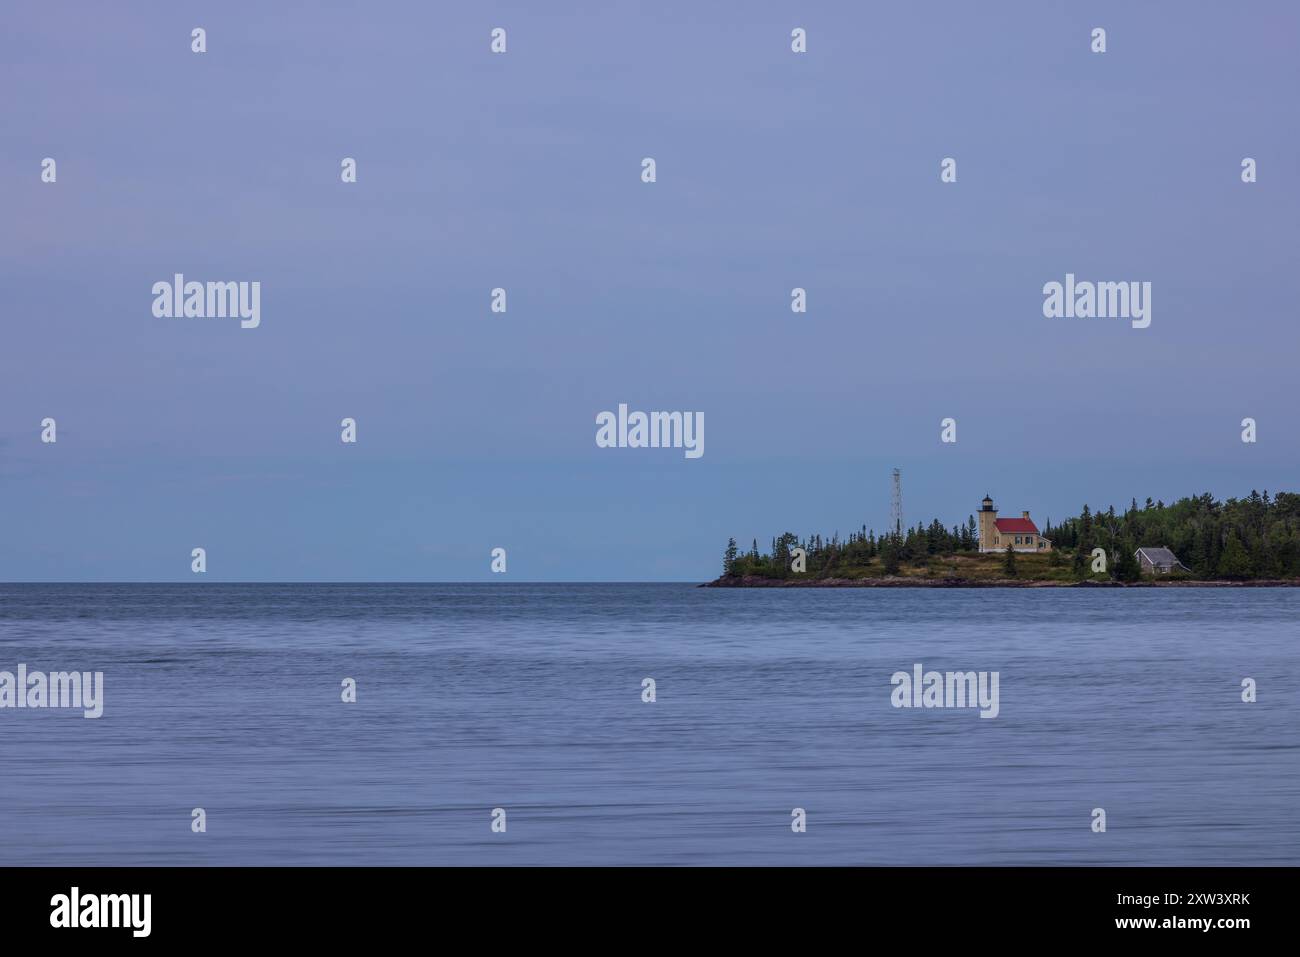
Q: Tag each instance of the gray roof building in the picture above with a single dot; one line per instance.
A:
(1160, 561)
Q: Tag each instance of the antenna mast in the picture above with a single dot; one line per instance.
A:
(896, 506)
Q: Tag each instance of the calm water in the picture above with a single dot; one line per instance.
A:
(528, 697)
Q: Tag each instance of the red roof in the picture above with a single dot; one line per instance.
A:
(1016, 526)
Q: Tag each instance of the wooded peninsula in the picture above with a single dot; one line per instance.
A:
(1249, 541)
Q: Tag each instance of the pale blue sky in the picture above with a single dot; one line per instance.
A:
(522, 171)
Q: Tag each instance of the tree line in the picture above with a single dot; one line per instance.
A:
(1252, 537)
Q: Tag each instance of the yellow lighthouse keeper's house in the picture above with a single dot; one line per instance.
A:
(1020, 533)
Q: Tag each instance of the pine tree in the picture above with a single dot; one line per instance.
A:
(1234, 562)
(729, 559)
(1126, 568)
(1009, 562)
(889, 556)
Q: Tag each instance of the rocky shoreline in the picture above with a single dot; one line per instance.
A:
(751, 581)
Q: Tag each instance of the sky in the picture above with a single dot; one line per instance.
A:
(522, 170)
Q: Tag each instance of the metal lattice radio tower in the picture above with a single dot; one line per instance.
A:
(896, 506)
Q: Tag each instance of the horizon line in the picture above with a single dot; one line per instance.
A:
(306, 581)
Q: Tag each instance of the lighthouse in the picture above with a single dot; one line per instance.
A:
(988, 525)
(1020, 533)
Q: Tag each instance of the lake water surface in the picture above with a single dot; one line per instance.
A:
(529, 698)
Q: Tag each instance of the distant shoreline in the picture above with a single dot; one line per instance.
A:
(754, 581)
